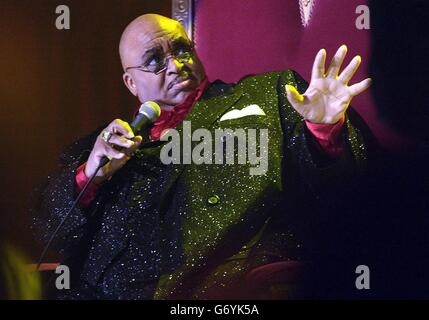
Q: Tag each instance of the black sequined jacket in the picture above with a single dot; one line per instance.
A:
(194, 231)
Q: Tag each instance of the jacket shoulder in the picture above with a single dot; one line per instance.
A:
(82, 145)
(269, 80)
(266, 77)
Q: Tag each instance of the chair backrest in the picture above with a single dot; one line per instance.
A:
(235, 38)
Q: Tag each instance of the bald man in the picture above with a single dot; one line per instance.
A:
(145, 229)
(142, 45)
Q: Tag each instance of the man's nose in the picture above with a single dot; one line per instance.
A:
(174, 65)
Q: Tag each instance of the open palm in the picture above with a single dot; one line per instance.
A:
(328, 95)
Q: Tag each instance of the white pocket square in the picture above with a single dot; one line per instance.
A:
(252, 110)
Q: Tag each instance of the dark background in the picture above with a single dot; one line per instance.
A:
(55, 86)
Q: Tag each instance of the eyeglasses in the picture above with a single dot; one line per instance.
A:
(157, 61)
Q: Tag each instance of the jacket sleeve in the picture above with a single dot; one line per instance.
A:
(53, 199)
(309, 223)
(315, 186)
(310, 172)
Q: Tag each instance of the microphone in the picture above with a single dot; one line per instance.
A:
(148, 113)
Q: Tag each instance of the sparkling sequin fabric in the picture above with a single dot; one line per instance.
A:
(194, 231)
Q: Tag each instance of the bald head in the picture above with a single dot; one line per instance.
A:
(143, 30)
(159, 60)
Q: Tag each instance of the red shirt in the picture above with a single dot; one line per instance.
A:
(170, 119)
(327, 135)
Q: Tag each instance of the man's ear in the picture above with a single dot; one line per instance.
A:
(129, 83)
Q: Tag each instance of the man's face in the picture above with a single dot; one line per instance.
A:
(153, 44)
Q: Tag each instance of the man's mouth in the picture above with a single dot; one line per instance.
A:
(180, 82)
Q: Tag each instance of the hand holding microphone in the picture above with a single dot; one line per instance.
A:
(116, 143)
(112, 149)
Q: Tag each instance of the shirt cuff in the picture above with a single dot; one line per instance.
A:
(328, 136)
(91, 192)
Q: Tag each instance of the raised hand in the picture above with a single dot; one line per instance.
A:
(328, 95)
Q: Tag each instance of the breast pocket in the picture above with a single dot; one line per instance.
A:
(253, 121)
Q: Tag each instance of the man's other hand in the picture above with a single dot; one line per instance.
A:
(328, 95)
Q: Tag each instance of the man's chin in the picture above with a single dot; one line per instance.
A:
(181, 97)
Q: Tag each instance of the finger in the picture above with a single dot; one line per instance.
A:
(137, 141)
(337, 61)
(293, 95)
(319, 65)
(120, 141)
(360, 87)
(121, 127)
(112, 153)
(350, 70)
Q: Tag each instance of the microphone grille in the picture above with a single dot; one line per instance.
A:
(151, 110)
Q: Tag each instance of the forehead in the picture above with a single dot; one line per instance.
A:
(162, 33)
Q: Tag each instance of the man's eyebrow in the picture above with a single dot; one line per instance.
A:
(151, 51)
(180, 41)
(174, 43)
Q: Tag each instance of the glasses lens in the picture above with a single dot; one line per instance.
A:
(184, 56)
(159, 67)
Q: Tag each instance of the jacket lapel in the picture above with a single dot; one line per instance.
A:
(204, 114)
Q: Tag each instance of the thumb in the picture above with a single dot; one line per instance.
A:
(137, 142)
(293, 95)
